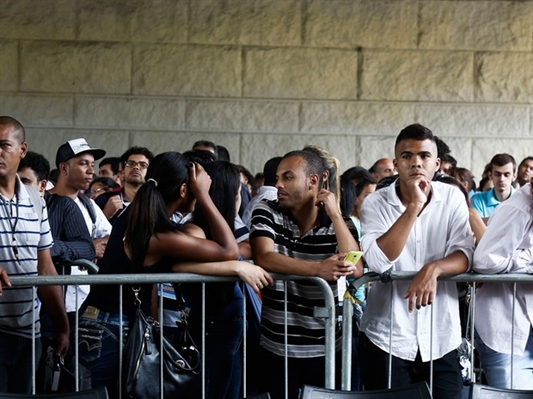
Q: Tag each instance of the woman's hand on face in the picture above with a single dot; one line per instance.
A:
(199, 180)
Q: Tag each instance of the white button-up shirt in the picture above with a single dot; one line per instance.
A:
(440, 230)
(506, 247)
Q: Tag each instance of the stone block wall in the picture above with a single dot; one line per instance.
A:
(263, 77)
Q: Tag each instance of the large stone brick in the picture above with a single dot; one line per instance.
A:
(373, 148)
(250, 22)
(259, 148)
(531, 120)
(505, 77)
(75, 67)
(35, 109)
(140, 21)
(243, 116)
(9, 65)
(461, 150)
(476, 25)
(484, 149)
(160, 21)
(102, 20)
(417, 76)
(469, 120)
(46, 141)
(158, 141)
(130, 112)
(367, 23)
(360, 118)
(38, 19)
(300, 73)
(187, 70)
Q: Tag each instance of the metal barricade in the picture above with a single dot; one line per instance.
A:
(397, 276)
(327, 312)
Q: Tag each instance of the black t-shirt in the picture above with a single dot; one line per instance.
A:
(115, 261)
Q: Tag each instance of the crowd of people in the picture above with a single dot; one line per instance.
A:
(138, 212)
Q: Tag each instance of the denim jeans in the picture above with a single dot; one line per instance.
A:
(16, 363)
(497, 366)
(99, 334)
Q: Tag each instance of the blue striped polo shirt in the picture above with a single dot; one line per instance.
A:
(19, 218)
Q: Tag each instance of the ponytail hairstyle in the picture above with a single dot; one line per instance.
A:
(225, 186)
(147, 213)
(331, 167)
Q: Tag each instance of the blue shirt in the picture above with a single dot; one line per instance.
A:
(486, 202)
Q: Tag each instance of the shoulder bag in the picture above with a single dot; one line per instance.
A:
(144, 351)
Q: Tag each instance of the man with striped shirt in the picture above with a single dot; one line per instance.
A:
(302, 233)
(25, 242)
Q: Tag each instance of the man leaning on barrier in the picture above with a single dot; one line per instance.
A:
(25, 250)
(506, 247)
(301, 233)
(419, 226)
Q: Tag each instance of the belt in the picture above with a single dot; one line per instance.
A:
(93, 313)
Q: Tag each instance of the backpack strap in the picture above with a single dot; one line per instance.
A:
(89, 205)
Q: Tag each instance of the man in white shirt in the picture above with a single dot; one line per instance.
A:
(507, 247)
(25, 243)
(420, 226)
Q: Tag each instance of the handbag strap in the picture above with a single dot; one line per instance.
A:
(469, 309)
(137, 301)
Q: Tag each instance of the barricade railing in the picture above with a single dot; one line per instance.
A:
(328, 313)
(473, 278)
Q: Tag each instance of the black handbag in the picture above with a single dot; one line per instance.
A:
(143, 355)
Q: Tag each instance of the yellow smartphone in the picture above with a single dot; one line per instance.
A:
(353, 256)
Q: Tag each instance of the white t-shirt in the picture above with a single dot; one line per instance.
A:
(100, 228)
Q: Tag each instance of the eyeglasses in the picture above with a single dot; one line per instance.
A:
(133, 164)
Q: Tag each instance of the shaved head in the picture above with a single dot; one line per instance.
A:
(16, 125)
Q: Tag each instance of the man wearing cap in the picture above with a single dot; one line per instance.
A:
(75, 163)
(72, 241)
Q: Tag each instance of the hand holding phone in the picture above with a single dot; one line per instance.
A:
(353, 256)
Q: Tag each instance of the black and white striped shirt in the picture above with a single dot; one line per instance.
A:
(306, 334)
